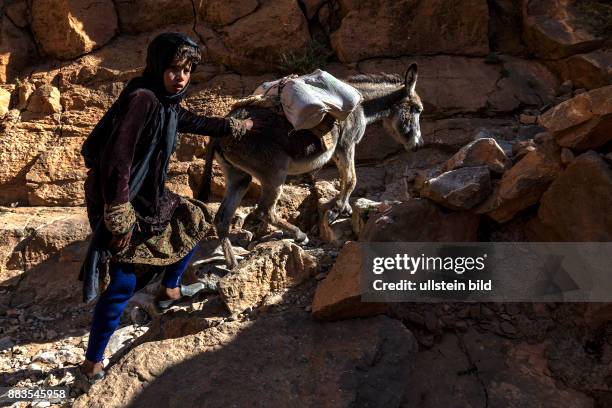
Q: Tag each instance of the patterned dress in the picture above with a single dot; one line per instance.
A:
(164, 225)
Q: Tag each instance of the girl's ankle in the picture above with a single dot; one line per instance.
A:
(165, 293)
(91, 368)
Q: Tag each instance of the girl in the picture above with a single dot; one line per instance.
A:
(135, 219)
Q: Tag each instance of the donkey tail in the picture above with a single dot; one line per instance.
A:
(206, 190)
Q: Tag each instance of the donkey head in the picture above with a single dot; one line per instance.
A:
(403, 123)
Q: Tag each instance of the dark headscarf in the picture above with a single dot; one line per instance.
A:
(160, 55)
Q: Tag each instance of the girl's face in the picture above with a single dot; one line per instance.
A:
(177, 77)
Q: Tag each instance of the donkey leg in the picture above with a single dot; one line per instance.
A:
(237, 183)
(267, 211)
(345, 162)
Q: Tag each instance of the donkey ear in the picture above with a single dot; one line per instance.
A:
(410, 78)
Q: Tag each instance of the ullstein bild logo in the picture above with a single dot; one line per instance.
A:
(486, 272)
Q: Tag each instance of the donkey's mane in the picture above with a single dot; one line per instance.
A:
(380, 79)
(380, 92)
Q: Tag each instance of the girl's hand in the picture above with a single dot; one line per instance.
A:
(120, 242)
(254, 125)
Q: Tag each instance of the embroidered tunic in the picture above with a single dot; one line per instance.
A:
(165, 225)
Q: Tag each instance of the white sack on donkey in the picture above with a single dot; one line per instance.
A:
(306, 99)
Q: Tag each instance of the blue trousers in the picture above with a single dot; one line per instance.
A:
(112, 302)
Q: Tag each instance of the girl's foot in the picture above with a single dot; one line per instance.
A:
(90, 368)
(167, 297)
(165, 293)
(88, 373)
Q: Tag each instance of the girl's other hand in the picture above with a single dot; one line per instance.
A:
(120, 242)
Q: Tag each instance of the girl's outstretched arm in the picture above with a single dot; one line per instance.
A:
(213, 126)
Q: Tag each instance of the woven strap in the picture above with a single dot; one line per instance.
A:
(326, 125)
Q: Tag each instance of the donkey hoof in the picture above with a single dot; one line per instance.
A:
(331, 216)
(301, 239)
(347, 211)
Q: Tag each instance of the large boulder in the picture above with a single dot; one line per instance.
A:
(480, 152)
(552, 29)
(224, 12)
(57, 175)
(591, 70)
(17, 50)
(522, 82)
(419, 220)
(148, 15)
(271, 267)
(577, 206)
(583, 122)
(52, 231)
(364, 362)
(257, 42)
(523, 185)
(44, 247)
(387, 28)
(459, 189)
(22, 143)
(338, 296)
(66, 29)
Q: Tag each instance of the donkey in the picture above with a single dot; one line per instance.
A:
(273, 154)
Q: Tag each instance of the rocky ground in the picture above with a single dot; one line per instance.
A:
(255, 329)
(518, 131)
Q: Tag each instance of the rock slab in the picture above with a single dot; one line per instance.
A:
(338, 296)
(266, 363)
(271, 267)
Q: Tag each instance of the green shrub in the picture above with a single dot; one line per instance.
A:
(315, 55)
